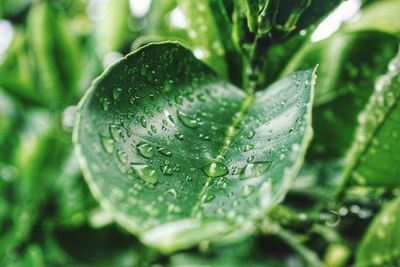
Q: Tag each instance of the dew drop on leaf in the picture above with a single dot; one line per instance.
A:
(215, 169)
(116, 93)
(107, 144)
(145, 150)
(167, 170)
(255, 169)
(248, 147)
(250, 159)
(165, 151)
(179, 136)
(187, 120)
(122, 157)
(251, 134)
(115, 132)
(247, 190)
(145, 172)
(208, 198)
(105, 103)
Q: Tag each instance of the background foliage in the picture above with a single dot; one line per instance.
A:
(342, 210)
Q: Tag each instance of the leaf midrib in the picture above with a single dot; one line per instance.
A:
(230, 132)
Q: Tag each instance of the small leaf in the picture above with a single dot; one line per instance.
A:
(380, 246)
(231, 156)
(373, 158)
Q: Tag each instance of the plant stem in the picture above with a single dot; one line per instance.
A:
(290, 238)
(256, 63)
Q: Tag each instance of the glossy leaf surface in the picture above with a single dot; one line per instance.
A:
(178, 155)
(380, 246)
(346, 80)
(376, 143)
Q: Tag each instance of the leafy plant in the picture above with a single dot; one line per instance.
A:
(231, 133)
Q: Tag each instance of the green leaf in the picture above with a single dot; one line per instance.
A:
(55, 53)
(252, 7)
(379, 16)
(373, 158)
(380, 246)
(112, 29)
(348, 66)
(10, 8)
(205, 34)
(178, 155)
(8, 118)
(19, 81)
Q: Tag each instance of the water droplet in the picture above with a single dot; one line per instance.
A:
(215, 169)
(255, 169)
(115, 132)
(122, 157)
(153, 128)
(204, 137)
(145, 149)
(179, 136)
(236, 171)
(167, 170)
(165, 151)
(107, 144)
(248, 147)
(145, 172)
(105, 103)
(187, 120)
(208, 198)
(172, 192)
(247, 190)
(251, 134)
(116, 93)
(172, 208)
(250, 159)
(178, 99)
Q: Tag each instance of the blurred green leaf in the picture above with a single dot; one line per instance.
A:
(251, 252)
(346, 79)
(380, 15)
(9, 116)
(9, 8)
(376, 143)
(112, 29)
(160, 168)
(16, 72)
(56, 54)
(380, 246)
(205, 34)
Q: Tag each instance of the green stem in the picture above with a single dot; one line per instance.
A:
(256, 63)
(290, 238)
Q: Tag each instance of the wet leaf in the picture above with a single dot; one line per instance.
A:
(230, 158)
(380, 246)
(346, 79)
(379, 16)
(376, 142)
(205, 33)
